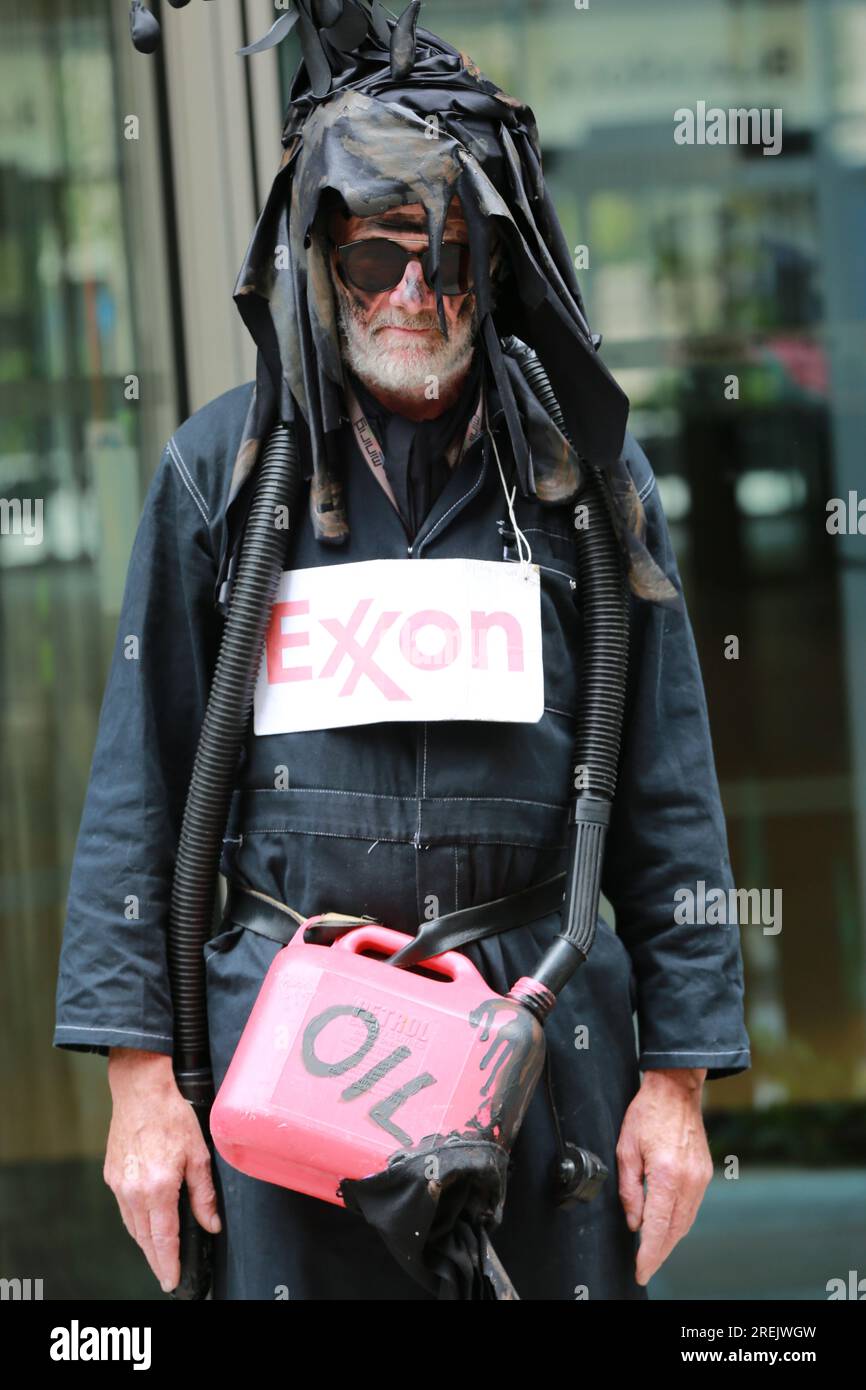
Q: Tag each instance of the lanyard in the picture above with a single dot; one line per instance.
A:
(372, 449)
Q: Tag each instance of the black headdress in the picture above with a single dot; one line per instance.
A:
(383, 113)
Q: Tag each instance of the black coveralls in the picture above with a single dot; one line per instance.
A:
(379, 818)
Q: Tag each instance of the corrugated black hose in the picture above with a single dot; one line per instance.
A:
(262, 559)
(603, 600)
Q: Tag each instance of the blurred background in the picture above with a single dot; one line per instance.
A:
(129, 187)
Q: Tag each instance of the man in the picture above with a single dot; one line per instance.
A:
(408, 432)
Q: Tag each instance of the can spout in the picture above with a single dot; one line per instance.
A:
(533, 995)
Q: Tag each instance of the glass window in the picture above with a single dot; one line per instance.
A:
(729, 287)
(76, 436)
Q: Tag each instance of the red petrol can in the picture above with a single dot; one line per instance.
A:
(346, 1060)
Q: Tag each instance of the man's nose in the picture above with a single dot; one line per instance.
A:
(412, 294)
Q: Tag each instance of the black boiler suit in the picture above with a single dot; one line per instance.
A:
(384, 818)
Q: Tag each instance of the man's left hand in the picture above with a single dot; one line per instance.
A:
(663, 1140)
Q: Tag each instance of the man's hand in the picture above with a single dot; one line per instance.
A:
(663, 1139)
(154, 1144)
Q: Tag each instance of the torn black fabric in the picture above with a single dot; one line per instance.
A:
(436, 1205)
(438, 1228)
(403, 117)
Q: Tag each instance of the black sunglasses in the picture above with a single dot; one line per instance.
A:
(378, 264)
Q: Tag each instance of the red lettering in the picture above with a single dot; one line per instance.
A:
(481, 625)
(362, 657)
(279, 638)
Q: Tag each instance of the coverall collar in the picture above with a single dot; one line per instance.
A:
(556, 467)
(419, 456)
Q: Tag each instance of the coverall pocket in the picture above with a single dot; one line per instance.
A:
(551, 537)
(555, 558)
(555, 551)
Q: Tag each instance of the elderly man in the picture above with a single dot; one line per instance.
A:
(412, 412)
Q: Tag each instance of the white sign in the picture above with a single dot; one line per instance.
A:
(402, 639)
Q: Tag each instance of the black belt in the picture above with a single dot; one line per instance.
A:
(247, 907)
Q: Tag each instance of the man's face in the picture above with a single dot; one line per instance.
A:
(392, 339)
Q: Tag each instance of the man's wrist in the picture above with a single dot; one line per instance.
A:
(123, 1059)
(687, 1078)
(137, 1053)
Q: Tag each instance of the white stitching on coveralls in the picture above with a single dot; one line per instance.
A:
(557, 536)
(398, 840)
(513, 800)
(132, 1032)
(548, 569)
(392, 796)
(423, 774)
(695, 1052)
(335, 791)
(551, 570)
(445, 516)
(187, 477)
(645, 491)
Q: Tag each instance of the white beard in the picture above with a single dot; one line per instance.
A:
(407, 368)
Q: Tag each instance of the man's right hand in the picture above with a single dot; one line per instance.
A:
(155, 1144)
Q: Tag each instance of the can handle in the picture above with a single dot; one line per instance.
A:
(329, 927)
(451, 964)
